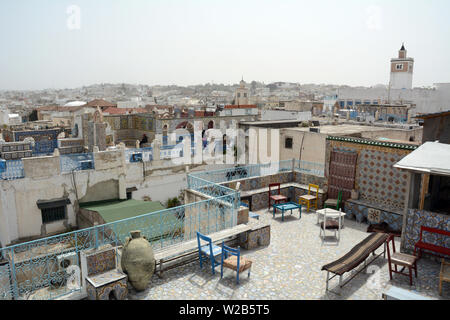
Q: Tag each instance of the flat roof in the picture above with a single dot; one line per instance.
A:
(431, 158)
(270, 121)
(342, 129)
(118, 210)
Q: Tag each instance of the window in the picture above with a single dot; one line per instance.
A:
(53, 214)
(245, 95)
(239, 94)
(399, 66)
(288, 143)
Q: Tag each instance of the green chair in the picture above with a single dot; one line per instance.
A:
(334, 203)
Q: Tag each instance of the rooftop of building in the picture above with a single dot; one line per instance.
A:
(100, 103)
(114, 210)
(114, 110)
(343, 129)
(290, 268)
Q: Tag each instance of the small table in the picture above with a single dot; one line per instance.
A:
(287, 206)
(332, 213)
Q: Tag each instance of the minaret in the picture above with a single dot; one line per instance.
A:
(401, 71)
(241, 95)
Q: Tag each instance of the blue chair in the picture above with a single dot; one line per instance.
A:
(234, 262)
(209, 250)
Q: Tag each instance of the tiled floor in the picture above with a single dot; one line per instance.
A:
(289, 268)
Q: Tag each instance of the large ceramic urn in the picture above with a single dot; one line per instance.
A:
(138, 261)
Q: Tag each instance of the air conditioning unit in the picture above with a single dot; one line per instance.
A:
(87, 164)
(136, 157)
(66, 260)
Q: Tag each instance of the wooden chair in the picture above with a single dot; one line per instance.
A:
(400, 259)
(234, 262)
(277, 197)
(209, 250)
(330, 223)
(334, 203)
(444, 274)
(309, 198)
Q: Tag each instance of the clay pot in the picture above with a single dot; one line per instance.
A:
(138, 260)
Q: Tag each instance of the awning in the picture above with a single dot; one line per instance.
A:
(52, 203)
(431, 158)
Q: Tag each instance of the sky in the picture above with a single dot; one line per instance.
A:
(72, 43)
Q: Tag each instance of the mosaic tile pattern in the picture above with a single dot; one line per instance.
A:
(378, 181)
(101, 262)
(119, 289)
(370, 215)
(289, 268)
(416, 218)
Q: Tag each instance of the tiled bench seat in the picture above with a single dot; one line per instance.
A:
(258, 198)
(374, 213)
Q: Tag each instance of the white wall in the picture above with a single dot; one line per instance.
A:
(272, 115)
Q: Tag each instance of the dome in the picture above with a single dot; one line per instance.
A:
(75, 104)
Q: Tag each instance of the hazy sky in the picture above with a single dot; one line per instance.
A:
(197, 41)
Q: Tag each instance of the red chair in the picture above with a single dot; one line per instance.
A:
(402, 259)
(277, 198)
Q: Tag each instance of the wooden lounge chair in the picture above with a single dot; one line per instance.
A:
(355, 256)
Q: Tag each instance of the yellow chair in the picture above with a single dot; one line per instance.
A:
(309, 198)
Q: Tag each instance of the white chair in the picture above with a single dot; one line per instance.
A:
(330, 222)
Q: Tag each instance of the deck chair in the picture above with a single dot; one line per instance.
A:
(334, 203)
(209, 250)
(234, 262)
(310, 198)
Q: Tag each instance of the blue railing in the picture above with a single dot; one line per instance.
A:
(14, 170)
(312, 168)
(243, 172)
(147, 153)
(79, 161)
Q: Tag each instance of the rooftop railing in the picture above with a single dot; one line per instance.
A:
(75, 162)
(13, 170)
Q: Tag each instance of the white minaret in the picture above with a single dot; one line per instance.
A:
(401, 71)
(241, 94)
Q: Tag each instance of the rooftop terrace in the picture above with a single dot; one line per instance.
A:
(289, 268)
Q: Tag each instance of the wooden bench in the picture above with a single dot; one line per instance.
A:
(184, 249)
(422, 245)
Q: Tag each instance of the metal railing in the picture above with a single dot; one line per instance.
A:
(78, 161)
(14, 170)
(244, 172)
(312, 168)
